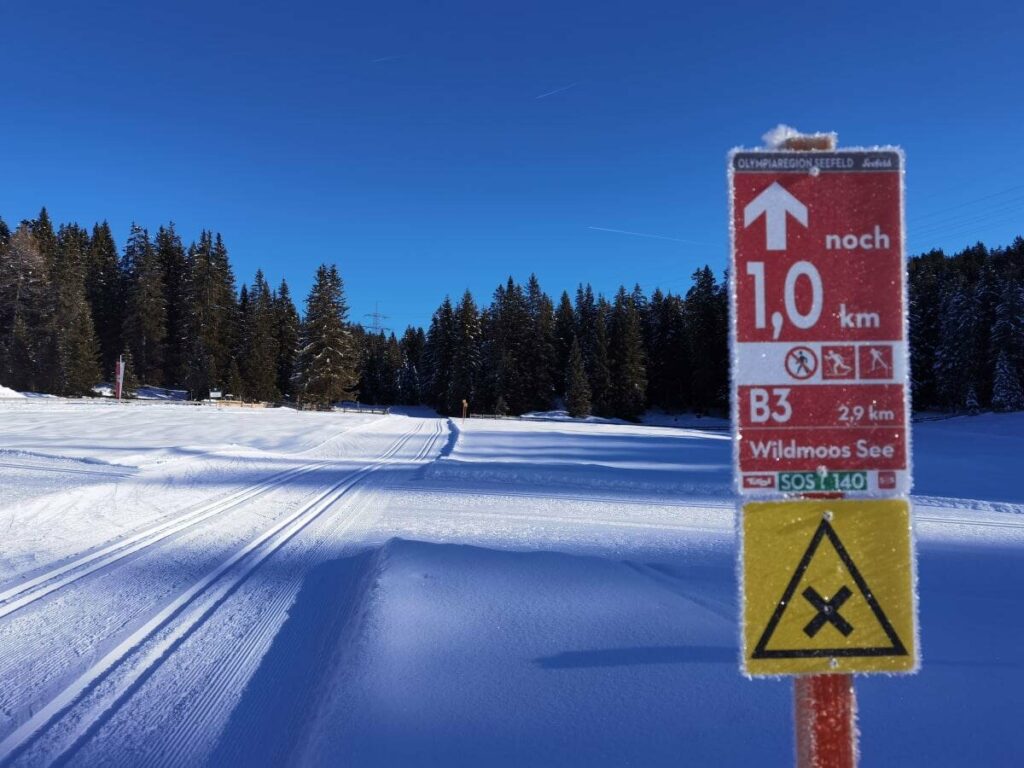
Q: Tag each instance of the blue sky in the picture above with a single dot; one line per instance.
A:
(430, 147)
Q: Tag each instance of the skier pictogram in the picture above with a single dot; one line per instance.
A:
(838, 362)
(876, 361)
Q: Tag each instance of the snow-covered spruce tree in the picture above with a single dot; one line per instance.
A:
(327, 364)
(1007, 390)
(577, 389)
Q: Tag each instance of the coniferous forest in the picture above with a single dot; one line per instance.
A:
(71, 303)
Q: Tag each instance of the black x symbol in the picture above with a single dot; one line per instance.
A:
(828, 611)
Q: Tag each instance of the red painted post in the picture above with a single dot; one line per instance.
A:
(825, 715)
(825, 712)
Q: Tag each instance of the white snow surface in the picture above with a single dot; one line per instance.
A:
(191, 585)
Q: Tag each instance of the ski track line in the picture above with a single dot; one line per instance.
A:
(65, 470)
(230, 676)
(22, 737)
(33, 589)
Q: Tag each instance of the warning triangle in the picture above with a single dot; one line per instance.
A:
(828, 609)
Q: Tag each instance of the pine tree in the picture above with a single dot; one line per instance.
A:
(668, 352)
(412, 348)
(707, 322)
(954, 377)
(1007, 390)
(565, 332)
(1008, 326)
(600, 364)
(287, 338)
(577, 389)
(466, 362)
(105, 290)
(212, 315)
(46, 238)
(24, 292)
(235, 383)
(509, 349)
(927, 274)
(540, 350)
(258, 344)
(985, 297)
(173, 262)
(76, 368)
(145, 320)
(626, 350)
(439, 354)
(327, 361)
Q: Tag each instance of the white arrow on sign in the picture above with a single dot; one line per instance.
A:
(775, 201)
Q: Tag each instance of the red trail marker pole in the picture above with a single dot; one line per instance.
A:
(825, 712)
(825, 721)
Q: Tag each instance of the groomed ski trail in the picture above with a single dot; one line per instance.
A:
(109, 682)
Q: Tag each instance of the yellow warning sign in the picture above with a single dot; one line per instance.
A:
(828, 586)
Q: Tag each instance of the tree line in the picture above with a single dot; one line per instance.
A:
(71, 304)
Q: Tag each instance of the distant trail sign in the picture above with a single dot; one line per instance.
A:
(819, 347)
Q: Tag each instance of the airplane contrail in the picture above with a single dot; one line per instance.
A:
(646, 234)
(557, 90)
(387, 58)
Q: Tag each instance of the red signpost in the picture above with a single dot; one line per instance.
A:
(820, 410)
(819, 345)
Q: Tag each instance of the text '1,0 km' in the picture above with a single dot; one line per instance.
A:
(818, 330)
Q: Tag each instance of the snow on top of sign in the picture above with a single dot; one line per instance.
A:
(777, 137)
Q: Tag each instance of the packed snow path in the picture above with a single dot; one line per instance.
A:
(189, 586)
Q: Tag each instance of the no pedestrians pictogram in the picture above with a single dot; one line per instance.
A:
(801, 362)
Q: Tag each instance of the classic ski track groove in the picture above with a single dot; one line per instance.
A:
(260, 548)
(14, 597)
(233, 674)
(29, 591)
(66, 470)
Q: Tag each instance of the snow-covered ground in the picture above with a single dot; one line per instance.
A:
(187, 585)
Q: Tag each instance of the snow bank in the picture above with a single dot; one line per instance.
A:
(6, 392)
